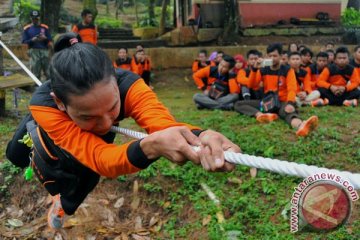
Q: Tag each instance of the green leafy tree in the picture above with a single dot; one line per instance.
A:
(91, 5)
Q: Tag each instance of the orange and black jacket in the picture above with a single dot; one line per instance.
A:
(123, 64)
(88, 33)
(303, 81)
(243, 77)
(140, 67)
(197, 65)
(138, 101)
(333, 75)
(213, 75)
(356, 66)
(282, 80)
(314, 75)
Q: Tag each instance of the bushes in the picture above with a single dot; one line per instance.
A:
(22, 9)
(350, 17)
(107, 22)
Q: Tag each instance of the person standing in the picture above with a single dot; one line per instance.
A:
(86, 29)
(38, 39)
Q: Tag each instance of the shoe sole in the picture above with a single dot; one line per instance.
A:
(264, 119)
(309, 126)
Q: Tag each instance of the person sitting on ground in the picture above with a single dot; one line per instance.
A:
(73, 114)
(306, 58)
(314, 71)
(219, 57)
(240, 73)
(124, 61)
(222, 90)
(281, 80)
(293, 47)
(284, 58)
(331, 55)
(201, 61)
(240, 64)
(86, 28)
(212, 56)
(248, 93)
(355, 61)
(141, 65)
(304, 94)
(339, 81)
(329, 46)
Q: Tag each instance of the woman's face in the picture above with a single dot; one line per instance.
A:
(96, 110)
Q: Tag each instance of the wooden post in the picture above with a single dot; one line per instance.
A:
(2, 91)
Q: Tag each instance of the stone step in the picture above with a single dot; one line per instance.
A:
(115, 44)
(8, 23)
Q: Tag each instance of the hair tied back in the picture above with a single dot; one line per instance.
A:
(73, 41)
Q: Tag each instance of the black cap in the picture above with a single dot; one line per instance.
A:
(34, 14)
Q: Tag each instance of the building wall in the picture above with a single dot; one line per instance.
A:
(268, 12)
(255, 14)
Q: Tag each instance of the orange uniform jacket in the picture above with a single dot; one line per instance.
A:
(314, 75)
(212, 74)
(287, 85)
(111, 160)
(243, 77)
(332, 75)
(197, 65)
(87, 33)
(303, 81)
(356, 66)
(140, 67)
(126, 65)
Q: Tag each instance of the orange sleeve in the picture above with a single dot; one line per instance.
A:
(105, 159)
(134, 67)
(255, 79)
(199, 75)
(233, 86)
(354, 81)
(115, 65)
(212, 64)
(307, 83)
(75, 29)
(142, 105)
(195, 66)
(291, 85)
(323, 80)
(242, 79)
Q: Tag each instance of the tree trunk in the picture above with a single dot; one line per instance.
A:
(231, 18)
(107, 7)
(136, 13)
(163, 17)
(354, 4)
(50, 13)
(151, 10)
(91, 5)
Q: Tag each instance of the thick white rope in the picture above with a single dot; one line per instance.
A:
(33, 77)
(273, 165)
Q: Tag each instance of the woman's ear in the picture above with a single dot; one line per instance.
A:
(59, 103)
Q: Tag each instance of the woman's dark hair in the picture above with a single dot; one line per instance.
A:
(126, 50)
(77, 67)
(306, 51)
(85, 12)
(342, 50)
(230, 60)
(323, 55)
(294, 54)
(274, 47)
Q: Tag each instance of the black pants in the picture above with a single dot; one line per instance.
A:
(86, 179)
(338, 100)
(146, 76)
(252, 107)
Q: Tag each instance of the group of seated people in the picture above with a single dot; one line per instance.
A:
(277, 85)
(140, 63)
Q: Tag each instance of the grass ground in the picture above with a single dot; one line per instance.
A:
(167, 202)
